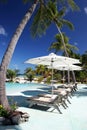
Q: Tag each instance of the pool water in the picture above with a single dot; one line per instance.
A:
(12, 88)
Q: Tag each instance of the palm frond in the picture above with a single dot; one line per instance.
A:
(68, 3)
(52, 10)
(58, 46)
(40, 23)
(68, 23)
(62, 12)
(73, 5)
(26, 1)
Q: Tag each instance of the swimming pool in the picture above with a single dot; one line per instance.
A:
(73, 118)
(20, 92)
(12, 88)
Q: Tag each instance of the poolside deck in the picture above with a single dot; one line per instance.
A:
(73, 118)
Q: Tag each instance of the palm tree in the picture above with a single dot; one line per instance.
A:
(40, 69)
(11, 74)
(9, 52)
(56, 17)
(45, 16)
(29, 74)
(58, 46)
(52, 15)
(10, 49)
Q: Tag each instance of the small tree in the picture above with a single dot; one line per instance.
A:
(10, 74)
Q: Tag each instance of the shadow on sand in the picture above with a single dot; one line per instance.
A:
(19, 100)
(22, 100)
(81, 92)
(11, 127)
(34, 92)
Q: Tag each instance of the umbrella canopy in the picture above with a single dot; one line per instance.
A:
(66, 67)
(52, 59)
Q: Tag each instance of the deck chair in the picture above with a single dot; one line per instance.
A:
(73, 87)
(45, 100)
(60, 99)
(64, 93)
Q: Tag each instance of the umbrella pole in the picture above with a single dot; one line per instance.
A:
(52, 75)
(63, 76)
(52, 81)
(68, 77)
(74, 79)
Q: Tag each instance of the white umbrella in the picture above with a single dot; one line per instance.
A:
(68, 68)
(52, 60)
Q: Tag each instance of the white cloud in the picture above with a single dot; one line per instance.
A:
(85, 9)
(2, 31)
(75, 43)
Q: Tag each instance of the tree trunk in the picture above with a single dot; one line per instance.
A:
(9, 52)
(66, 53)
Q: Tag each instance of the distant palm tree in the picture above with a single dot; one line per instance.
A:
(40, 69)
(29, 74)
(58, 46)
(11, 74)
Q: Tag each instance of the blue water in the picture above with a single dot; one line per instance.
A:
(17, 87)
(22, 85)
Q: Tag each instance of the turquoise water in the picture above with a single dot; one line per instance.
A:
(20, 92)
(12, 88)
(12, 85)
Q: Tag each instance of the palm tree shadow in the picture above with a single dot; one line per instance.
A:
(81, 92)
(10, 127)
(34, 92)
(46, 88)
(21, 101)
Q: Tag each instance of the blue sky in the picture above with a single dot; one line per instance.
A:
(10, 16)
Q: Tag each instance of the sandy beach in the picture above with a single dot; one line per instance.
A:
(72, 118)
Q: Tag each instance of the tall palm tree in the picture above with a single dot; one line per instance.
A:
(53, 15)
(58, 46)
(9, 52)
(57, 17)
(10, 49)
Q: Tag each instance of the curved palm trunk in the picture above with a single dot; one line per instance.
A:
(66, 53)
(9, 52)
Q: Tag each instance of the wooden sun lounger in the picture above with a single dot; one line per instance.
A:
(73, 87)
(49, 101)
(60, 99)
(64, 93)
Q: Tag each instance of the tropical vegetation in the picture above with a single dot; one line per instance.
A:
(42, 73)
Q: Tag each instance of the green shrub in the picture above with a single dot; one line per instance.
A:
(3, 112)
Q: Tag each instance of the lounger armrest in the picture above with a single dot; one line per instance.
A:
(53, 98)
